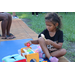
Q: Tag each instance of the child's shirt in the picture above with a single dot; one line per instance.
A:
(58, 37)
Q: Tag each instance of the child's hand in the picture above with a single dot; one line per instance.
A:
(48, 42)
(28, 42)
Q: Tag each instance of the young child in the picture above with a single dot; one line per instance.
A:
(14, 15)
(52, 46)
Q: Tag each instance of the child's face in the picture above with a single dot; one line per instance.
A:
(50, 26)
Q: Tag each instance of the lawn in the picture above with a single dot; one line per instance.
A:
(37, 23)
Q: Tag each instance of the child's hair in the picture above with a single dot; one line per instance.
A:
(54, 18)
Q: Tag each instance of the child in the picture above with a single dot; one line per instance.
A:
(52, 46)
(14, 15)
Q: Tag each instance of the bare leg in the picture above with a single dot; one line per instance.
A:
(44, 47)
(5, 25)
(58, 53)
(4, 19)
(9, 23)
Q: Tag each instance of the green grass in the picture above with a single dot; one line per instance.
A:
(38, 24)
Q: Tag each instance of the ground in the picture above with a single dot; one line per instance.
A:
(70, 55)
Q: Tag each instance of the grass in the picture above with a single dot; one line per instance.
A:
(38, 25)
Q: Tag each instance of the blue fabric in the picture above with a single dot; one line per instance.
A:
(11, 47)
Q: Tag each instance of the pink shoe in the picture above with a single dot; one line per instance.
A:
(54, 59)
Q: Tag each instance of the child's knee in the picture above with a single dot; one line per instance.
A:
(64, 51)
(40, 39)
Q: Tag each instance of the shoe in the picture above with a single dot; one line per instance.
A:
(7, 37)
(36, 15)
(10, 34)
(54, 59)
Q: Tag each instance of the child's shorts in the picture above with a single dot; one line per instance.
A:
(51, 47)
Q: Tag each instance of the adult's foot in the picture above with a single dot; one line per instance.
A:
(7, 37)
(11, 35)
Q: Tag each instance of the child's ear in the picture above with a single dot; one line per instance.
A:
(56, 24)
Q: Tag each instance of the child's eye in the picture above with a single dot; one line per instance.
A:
(48, 25)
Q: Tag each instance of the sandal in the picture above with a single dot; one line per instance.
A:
(11, 35)
(7, 37)
(4, 38)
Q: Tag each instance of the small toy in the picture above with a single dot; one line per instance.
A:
(37, 49)
(28, 44)
(42, 35)
(42, 60)
(14, 58)
(29, 54)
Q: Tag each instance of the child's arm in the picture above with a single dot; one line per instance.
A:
(32, 42)
(56, 45)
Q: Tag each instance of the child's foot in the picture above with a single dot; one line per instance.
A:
(53, 59)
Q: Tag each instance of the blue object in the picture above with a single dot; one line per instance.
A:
(11, 47)
(50, 57)
(13, 58)
(46, 59)
(31, 52)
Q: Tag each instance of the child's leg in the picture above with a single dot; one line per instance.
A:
(58, 53)
(44, 47)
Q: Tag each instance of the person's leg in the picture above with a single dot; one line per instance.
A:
(44, 47)
(36, 13)
(50, 56)
(9, 26)
(58, 53)
(9, 23)
(32, 13)
(4, 19)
